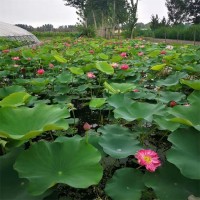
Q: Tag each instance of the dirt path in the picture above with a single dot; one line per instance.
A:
(169, 41)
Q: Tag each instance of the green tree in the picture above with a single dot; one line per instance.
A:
(181, 11)
(154, 22)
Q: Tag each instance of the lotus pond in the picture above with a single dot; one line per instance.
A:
(100, 119)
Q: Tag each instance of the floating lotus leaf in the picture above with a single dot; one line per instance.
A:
(188, 115)
(185, 152)
(154, 53)
(195, 84)
(73, 162)
(138, 110)
(97, 102)
(158, 67)
(116, 58)
(76, 70)
(39, 81)
(10, 89)
(24, 123)
(194, 97)
(119, 100)
(104, 67)
(168, 183)
(172, 79)
(14, 99)
(60, 59)
(13, 187)
(166, 97)
(118, 142)
(126, 184)
(123, 87)
(103, 56)
(165, 124)
(65, 77)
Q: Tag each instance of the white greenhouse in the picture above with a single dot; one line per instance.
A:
(13, 32)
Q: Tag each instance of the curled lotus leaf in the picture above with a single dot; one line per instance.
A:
(185, 151)
(188, 115)
(138, 110)
(23, 123)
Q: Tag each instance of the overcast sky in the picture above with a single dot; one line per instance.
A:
(39, 12)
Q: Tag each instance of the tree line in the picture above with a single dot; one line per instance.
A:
(48, 28)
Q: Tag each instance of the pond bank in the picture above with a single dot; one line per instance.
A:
(171, 41)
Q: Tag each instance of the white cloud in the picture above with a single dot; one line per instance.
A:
(39, 12)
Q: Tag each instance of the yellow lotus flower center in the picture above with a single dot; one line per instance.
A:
(147, 159)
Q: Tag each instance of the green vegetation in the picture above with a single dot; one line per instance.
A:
(90, 118)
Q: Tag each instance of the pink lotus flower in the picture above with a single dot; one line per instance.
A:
(149, 159)
(163, 52)
(114, 65)
(40, 71)
(51, 65)
(15, 58)
(123, 54)
(91, 51)
(6, 51)
(87, 126)
(136, 46)
(142, 46)
(91, 75)
(136, 90)
(67, 44)
(124, 67)
(140, 54)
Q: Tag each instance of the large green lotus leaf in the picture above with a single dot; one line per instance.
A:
(164, 124)
(194, 84)
(194, 97)
(65, 77)
(104, 67)
(73, 162)
(185, 152)
(188, 115)
(116, 58)
(166, 96)
(14, 99)
(76, 70)
(13, 187)
(97, 102)
(60, 59)
(119, 100)
(158, 67)
(172, 79)
(168, 183)
(27, 53)
(24, 123)
(142, 95)
(138, 110)
(103, 56)
(126, 184)
(118, 142)
(123, 87)
(154, 53)
(39, 81)
(10, 89)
